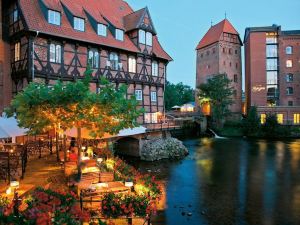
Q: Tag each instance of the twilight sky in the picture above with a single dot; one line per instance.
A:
(181, 24)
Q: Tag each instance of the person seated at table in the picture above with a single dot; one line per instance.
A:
(73, 156)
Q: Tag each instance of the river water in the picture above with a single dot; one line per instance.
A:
(231, 181)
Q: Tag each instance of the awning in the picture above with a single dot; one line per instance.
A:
(9, 128)
(85, 133)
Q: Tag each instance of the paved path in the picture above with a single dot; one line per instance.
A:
(39, 172)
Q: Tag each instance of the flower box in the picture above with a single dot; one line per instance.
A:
(106, 177)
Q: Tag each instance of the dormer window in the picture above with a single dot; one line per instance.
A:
(78, 23)
(15, 15)
(54, 17)
(119, 35)
(148, 39)
(142, 37)
(101, 30)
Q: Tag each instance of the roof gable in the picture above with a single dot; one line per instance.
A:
(213, 35)
(140, 19)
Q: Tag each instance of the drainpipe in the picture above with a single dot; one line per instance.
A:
(33, 47)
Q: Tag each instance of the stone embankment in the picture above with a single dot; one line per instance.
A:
(163, 148)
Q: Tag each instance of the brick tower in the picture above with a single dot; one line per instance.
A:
(219, 52)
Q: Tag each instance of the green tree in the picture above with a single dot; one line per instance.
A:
(178, 94)
(41, 108)
(218, 93)
(251, 124)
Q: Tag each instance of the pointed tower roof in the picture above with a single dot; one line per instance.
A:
(214, 33)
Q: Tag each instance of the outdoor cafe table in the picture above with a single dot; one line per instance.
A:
(98, 189)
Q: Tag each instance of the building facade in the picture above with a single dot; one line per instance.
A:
(219, 52)
(272, 72)
(47, 40)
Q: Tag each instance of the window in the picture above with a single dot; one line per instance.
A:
(148, 39)
(290, 103)
(289, 77)
(224, 63)
(55, 53)
(94, 59)
(114, 61)
(271, 38)
(154, 68)
(131, 64)
(119, 34)
(54, 17)
(272, 77)
(139, 95)
(142, 37)
(201, 55)
(214, 51)
(272, 64)
(207, 52)
(153, 96)
(230, 51)
(289, 91)
(17, 51)
(280, 118)
(150, 117)
(263, 118)
(236, 65)
(224, 50)
(289, 50)
(235, 78)
(15, 15)
(101, 30)
(236, 52)
(230, 64)
(271, 51)
(296, 118)
(289, 63)
(78, 24)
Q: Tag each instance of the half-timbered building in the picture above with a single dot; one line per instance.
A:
(48, 40)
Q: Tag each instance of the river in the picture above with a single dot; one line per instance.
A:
(231, 182)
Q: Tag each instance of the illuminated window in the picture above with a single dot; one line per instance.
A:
(280, 118)
(289, 63)
(139, 95)
(263, 118)
(271, 50)
(17, 51)
(289, 50)
(150, 117)
(271, 38)
(15, 15)
(296, 118)
(132, 64)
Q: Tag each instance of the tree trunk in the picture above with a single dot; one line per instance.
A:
(65, 147)
(56, 145)
(79, 151)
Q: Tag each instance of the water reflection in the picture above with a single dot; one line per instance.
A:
(232, 182)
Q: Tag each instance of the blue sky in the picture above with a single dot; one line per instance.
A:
(181, 24)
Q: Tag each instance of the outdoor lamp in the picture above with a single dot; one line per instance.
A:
(8, 191)
(128, 184)
(100, 160)
(14, 185)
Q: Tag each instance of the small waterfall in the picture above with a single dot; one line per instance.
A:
(216, 136)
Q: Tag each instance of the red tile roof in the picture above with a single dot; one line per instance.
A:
(214, 33)
(132, 20)
(112, 10)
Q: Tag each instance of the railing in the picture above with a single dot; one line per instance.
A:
(164, 125)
